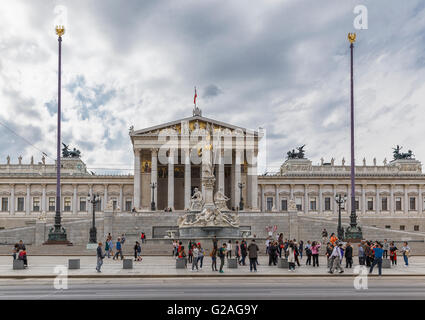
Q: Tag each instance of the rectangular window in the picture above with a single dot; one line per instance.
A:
(416, 228)
(327, 204)
(313, 204)
(370, 204)
(412, 203)
(387, 227)
(114, 203)
(83, 204)
(384, 204)
(21, 204)
(298, 202)
(269, 203)
(36, 204)
(67, 204)
(398, 204)
(52, 202)
(284, 205)
(402, 228)
(128, 205)
(4, 204)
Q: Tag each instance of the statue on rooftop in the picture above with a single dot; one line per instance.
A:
(8, 159)
(66, 153)
(402, 156)
(296, 155)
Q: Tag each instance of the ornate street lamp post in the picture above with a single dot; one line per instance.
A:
(340, 200)
(94, 199)
(57, 235)
(153, 186)
(241, 185)
(354, 232)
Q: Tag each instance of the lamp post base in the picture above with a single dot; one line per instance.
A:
(353, 234)
(58, 237)
(93, 234)
(153, 206)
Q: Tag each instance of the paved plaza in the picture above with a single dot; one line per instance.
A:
(165, 266)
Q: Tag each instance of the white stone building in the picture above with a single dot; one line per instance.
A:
(388, 196)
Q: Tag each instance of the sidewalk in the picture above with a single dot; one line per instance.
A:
(164, 266)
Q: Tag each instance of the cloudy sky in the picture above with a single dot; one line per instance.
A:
(278, 64)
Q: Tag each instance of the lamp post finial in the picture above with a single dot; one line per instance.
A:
(352, 37)
(60, 30)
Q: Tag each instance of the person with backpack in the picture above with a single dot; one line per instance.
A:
(222, 255)
(253, 255)
(243, 253)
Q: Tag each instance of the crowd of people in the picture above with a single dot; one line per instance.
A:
(195, 253)
(370, 254)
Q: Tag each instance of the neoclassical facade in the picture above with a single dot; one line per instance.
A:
(386, 195)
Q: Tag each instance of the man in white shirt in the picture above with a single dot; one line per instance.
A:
(336, 258)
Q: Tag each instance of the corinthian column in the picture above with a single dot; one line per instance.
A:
(187, 180)
(154, 175)
(136, 178)
(171, 180)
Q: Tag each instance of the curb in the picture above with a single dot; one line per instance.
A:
(150, 276)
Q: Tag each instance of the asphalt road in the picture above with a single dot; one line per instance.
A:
(229, 288)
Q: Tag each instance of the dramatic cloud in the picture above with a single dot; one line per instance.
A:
(281, 65)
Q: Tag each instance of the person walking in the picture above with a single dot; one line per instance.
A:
(244, 250)
(393, 253)
(336, 258)
(195, 252)
(377, 260)
(348, 255)
(253, 255)
(291, 256)
(190, 252)
(222, 255)
(118, 247)
(308, 253)
(280, 244)
(100, 256)
(333, 239)
(315, 246)
(405, 250)
(214, 259)
(107, 248)
(229, 250)
(215, 245)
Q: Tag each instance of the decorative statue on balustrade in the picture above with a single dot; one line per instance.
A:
(405, 156)
(296, 155)
(66, 153)
(196, 202)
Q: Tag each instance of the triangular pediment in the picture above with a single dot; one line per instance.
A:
(193, 122)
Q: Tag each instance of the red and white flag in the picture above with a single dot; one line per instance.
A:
(194, 98)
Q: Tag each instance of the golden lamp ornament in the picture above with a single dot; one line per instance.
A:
(352, 37)
(60, 30)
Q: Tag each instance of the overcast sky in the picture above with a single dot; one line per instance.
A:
(278, 64)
